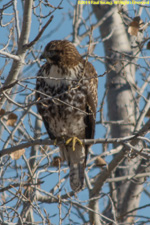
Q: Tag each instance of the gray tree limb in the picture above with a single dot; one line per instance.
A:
(121, 106)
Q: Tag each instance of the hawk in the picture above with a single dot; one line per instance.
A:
(66, 92)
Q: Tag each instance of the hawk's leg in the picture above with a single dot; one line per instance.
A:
(74, 140)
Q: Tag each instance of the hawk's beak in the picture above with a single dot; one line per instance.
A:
(42, 56)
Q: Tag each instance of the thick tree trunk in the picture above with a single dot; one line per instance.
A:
(121, 103)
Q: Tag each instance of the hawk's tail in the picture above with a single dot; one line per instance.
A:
(77, 176)
(77, 162)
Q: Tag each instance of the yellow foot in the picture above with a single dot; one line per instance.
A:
(55, 142)
(74, 140)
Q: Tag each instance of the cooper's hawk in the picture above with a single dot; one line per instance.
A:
(66, 91)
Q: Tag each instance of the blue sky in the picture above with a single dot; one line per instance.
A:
(64, 23)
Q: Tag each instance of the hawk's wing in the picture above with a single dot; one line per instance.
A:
(40, 84)
(91, 100)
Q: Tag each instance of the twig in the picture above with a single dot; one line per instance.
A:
(59, 195)
(23, 184)
(5, 87)
(9, 55)
(39, 34)
(16, 19)
(127, 177)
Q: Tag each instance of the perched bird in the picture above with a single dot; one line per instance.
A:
(66, 92)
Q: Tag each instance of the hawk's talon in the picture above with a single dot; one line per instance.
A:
(74, 140)
(55, 142)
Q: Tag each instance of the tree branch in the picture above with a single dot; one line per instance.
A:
(112, 165)
(133, 138)
(23, 184)
(26, 46)
(51, 142)
(9, 55)
(17, 64)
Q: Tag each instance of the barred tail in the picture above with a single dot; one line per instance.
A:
(77, 162)
(77, 176)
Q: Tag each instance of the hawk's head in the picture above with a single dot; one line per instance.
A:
(61, 53)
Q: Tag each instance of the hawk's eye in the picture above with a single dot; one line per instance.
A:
(53, 53)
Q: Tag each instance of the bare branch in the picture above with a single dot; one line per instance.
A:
(23, 184)
(133, 138)
(17, 65)
(26, 46)
(8, 86)
(9, 55)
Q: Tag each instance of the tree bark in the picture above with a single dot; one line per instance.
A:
(23, 39)
(121, 104)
